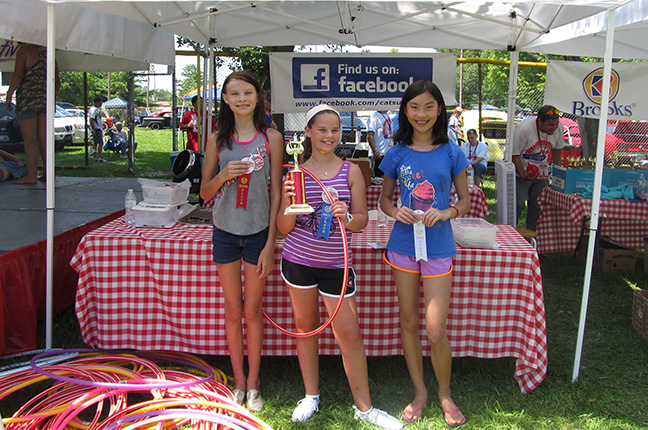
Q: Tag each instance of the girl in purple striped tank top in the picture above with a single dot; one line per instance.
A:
(313, 264)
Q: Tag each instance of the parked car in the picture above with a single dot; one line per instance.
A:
(69, 107)
(11, 139)
(64, 117)
(10, 136)
(63, 128)
(634, 136)
(160, 119)
(348, 132)
(572, 136)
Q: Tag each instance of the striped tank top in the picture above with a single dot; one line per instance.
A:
(302, 245)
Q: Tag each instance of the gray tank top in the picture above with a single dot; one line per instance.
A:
(256, 216)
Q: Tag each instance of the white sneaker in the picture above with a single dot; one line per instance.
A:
(305, 409)
(378, 418)
(254, 401)
(91, 151)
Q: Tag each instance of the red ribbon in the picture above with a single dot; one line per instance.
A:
(242, 193)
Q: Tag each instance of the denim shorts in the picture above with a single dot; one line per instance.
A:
(30, 115)
(97, 137)
(430, 268)
(329, 281)
(228, 248)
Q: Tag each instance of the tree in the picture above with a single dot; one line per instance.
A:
(98, 85)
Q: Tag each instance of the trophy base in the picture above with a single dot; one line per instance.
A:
(300, 209)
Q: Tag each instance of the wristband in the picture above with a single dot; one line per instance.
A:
(455, 208)
(349, 218)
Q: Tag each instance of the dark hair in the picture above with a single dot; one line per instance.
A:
(308, 145)
(194, 99)
(226, 122)
(471, 131)
(405, 129)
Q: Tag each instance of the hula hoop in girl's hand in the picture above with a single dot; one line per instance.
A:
(344, 276)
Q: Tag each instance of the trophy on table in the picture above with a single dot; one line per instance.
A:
(298, 205)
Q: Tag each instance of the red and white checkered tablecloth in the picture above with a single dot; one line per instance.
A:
(562, 215)
(158, 289)
(478, 205)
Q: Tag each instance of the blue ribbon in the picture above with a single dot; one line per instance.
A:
(326, 219)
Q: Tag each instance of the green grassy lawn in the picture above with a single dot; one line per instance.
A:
(151, 158)
(611, 393)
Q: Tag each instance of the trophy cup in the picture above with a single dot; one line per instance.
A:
(298, 205)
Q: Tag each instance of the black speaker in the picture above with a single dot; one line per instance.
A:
(188, 165)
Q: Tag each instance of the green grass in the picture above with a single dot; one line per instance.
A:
(151, 158)
(611, 393)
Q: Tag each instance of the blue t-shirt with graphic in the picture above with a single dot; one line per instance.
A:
(425, 180)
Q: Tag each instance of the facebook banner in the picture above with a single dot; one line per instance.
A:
(351, 82)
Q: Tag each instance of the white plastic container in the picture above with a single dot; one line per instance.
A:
(150, 215)
(474, 232)
(160, 193)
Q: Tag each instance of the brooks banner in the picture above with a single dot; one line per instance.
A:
(351, 82)
(576, 88)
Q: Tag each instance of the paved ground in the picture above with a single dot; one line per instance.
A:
(77, 201)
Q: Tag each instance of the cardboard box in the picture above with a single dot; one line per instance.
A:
(615, 257)
(640, 313)
(626, 176)
(571, 180)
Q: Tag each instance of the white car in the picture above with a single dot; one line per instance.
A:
(68, 128)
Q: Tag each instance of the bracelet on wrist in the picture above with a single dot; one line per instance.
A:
(457, 210)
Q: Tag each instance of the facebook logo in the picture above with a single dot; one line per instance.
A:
(314, 77)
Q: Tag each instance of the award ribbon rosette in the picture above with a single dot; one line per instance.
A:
(255, 163)
(326, 218)
(421, 199)
(298, 205)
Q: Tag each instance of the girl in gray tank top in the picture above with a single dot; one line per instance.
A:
(243, 168)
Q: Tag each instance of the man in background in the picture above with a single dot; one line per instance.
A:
(96, 125)
(379, 136)
(537, 142)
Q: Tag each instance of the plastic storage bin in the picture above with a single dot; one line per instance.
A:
(159, 193)
(474, 232)
(150, 215)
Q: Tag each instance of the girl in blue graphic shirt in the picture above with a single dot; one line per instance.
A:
(425, 165)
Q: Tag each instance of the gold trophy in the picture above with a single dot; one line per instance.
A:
(298, 205)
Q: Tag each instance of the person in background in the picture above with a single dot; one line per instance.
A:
(189, 123)
(379, 136)
(29, 82)
(242, 171)
(537, 141)
(477, 154)
(96, 125)
(425, 165)
(267, 102)
(10, 166)
(120, 137)
(455, 122)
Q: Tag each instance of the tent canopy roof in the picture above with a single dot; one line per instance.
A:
(88, 40)
(439, 24)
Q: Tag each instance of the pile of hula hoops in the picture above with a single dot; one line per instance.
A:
(107, 390)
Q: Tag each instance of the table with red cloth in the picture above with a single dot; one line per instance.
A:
(478, 205)
(158, 289)
(561, 220)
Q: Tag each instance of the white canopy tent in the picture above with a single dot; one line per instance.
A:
(541, 25)
(90, 41)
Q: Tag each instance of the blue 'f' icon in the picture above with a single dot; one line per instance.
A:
(314, 77)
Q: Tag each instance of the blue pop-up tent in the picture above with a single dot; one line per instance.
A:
(115, 103)
(188, 96)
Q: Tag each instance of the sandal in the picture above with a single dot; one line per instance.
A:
(239, 395)
(453, 415)
(414, 416)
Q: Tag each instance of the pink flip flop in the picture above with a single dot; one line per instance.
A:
(453, 414)
(416, 412)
